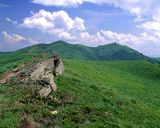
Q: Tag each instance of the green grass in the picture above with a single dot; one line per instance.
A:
(126, 90)
(91, 94)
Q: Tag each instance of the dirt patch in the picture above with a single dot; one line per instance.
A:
(26, 123)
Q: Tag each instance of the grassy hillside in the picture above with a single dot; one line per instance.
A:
(90, 94)
(158, 59)
(112, 51)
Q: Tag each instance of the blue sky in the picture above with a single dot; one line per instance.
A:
(135, 23)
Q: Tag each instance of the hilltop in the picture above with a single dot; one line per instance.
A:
(113, 51)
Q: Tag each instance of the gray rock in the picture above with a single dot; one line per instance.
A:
(41, 73)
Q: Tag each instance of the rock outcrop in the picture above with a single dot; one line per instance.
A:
(41, 74)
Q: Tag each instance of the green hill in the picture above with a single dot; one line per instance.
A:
(112, 51)
(158, 59)
(91, 93)
(115, 51)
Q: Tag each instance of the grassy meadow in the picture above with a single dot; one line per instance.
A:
(91, 94)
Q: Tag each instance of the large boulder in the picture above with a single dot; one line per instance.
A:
(40, 73)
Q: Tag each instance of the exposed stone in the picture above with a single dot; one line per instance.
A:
(54, 112)
(15, 70)
(41, 73)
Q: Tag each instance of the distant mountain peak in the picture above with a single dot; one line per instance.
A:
(112, 51)
(60, 42)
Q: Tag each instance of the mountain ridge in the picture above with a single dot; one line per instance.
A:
(112, 51)
(158, 59)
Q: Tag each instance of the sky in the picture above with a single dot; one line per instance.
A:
(135, 23)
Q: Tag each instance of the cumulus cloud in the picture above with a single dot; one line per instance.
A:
(129, 39)
(88, 39)
(153, 24)
(136, 7)
(13, 38)
(56, 23)
(61, 25)
(143, 40)
(119, 37)
(152, 27)
(12, 42)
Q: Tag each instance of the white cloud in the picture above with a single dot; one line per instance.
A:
(150, 26)
(88, 39)
(61, 25)
(11, 21)
(64, 3)
(56, 23)
(79, 24)
(154, 23)
(106, 36)
(136, 7)
(14, 38)
(119, 37)
(131, 40)
(32, 41)
(156, 15)
(8, 19)
(12, 42)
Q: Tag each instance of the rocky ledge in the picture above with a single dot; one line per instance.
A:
(41, 74)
